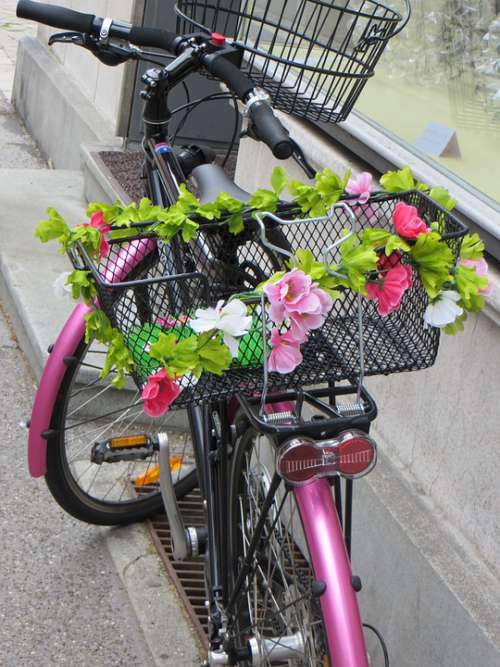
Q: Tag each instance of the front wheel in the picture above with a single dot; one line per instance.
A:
(278, 613)
(89, 413)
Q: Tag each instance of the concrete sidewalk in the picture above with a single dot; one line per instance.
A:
(72, 594)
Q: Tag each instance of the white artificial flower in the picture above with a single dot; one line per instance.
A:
(444, 310)
(231, 319)
(61, 289)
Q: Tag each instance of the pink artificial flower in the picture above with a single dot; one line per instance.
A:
(406, 221)
(286, 354)
(98, 221)
(481, 266)
(159, 393)
(389, 290)
(302, 323)
(166, 322)
(362, 186)
(295, 296)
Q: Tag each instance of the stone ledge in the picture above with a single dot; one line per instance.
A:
(57, 114)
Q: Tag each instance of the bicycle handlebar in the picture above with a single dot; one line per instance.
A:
(267, 127)
(55, 16)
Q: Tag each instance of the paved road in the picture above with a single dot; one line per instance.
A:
(62, 602)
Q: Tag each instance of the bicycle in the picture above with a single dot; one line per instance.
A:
(265, 452)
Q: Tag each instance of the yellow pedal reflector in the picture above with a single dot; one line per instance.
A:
(149, 477)
(129, 441)
(153, 474)
(175, 463)
(326, 661)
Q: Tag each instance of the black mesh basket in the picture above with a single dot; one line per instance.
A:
(150, 302)
(312, 57)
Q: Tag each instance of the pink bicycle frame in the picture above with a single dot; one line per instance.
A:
(331, 565)
(65, 346)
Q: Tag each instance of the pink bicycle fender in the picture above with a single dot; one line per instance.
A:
(50, 382)
(331, 565)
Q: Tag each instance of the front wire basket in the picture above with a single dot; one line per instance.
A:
(150, 302)
(312, 57)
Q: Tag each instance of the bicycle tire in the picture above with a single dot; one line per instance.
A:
(315, 644)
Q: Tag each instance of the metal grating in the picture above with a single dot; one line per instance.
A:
(187, 576)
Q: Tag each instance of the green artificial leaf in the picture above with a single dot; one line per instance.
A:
(214, 356)
(185, 357)
(236, 224)
(279, 180)
(398, 181)
(119, 359)
(395, 242)
(264, 200)
(434, 261)
(82, 286)
(229, 204)
(307, 198)
(55, 228)
(89, 237)
(187, 201)
(374, 237)
(98, 327)
(330, 186)
(423, 187)
(472, 247)
(305, 260)
(456, 326)
(469, 284)
(443, 198)
(110, 211)
(164, 348)
(358, 260)
(209, 211)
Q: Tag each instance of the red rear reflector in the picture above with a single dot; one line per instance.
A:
(218, 39)
(351, 454)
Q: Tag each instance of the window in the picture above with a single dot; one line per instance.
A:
(437, 87)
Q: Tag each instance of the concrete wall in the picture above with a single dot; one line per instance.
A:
(440, 429)
(100, 84)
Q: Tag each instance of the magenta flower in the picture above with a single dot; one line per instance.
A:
(159, 393)
(295, 296)
(481, 266)
(406, 221)
(362, 186)
(286, 354)
(98, 221)
(389, 290)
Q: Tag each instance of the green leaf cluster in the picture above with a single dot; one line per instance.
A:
(472, 247)
(56, 229)
(118, 357)
(434, 261)
(403, 180)
(195, 354)
(316, 200)
(82, 286)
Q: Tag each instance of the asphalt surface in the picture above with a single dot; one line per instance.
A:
(62, 602)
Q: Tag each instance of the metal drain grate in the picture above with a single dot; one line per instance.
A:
(187, 576)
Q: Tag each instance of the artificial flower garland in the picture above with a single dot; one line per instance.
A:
(301, 298)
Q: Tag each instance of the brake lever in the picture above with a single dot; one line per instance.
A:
(108, 53)
(301, 160)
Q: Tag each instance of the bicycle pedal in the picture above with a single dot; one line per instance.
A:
(128, 448)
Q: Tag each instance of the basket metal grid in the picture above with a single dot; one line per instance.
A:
(312, 57)
(151, 302)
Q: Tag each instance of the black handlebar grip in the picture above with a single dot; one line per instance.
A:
(223, 69)
(55, 16)
(154, 38)
(269, 129)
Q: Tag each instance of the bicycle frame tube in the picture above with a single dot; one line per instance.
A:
(329, 558)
